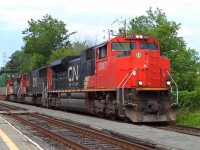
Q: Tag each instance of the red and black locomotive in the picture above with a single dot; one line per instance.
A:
(124, 77)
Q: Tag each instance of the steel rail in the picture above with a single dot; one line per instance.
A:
(115, 141)
(52, 135)
(7, 107)
(185, 129)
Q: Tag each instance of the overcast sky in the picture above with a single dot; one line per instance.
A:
(91, 18)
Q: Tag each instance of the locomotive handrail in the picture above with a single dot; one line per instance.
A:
(18, 92)
(18, 89)
(118, 88)
(176, 88)
(6, 92)
(43, 88)
(125, 83)
(47, 86)
(122, 80)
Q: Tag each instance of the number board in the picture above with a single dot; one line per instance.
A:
(129, 36)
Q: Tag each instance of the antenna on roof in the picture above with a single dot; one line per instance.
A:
(108, 31)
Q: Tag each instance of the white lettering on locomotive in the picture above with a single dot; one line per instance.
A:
(102, 65)
(34, 82)
(129, 36)
(73, 73)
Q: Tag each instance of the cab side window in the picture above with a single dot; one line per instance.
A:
(102, 52)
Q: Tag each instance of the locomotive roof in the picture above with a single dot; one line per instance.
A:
(62, 61)
(102, 44)
(99, 45)
(39, 69)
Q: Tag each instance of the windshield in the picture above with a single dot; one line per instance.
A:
(151, 46)
(123, 46)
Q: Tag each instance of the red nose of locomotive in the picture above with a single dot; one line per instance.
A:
(149, 69)
(144, 81)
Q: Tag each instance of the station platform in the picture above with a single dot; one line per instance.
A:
(13, 139)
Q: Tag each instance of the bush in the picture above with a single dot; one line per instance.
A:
(188, 118)
(190, 100)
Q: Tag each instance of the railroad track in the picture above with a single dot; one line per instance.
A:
(100, 140)
(75, 137)
(5, 107)
(181, 129)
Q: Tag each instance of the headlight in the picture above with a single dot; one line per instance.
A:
(140, 82)
(137, 36)
(141, 36)
(168, 82)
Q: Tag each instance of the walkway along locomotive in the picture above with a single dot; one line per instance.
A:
(123, 77)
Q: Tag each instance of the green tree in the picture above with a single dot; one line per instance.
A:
(185, 66)
(183, 60)
(42, 37)
(80, 46)
(20, 60)
(157, 25)
(61, 53)
(71, 50)
(14, 61)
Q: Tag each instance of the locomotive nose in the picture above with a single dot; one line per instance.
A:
(149, 69)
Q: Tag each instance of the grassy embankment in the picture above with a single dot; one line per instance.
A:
(188, 118)
(189, 104)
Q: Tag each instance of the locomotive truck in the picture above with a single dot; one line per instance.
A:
(124, 77)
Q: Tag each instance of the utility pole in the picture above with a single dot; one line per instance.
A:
(109, 33)
(120, 21)
(125, 26)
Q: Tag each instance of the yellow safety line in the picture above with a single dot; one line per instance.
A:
(152, 89)
(8, 141)
(81, 90)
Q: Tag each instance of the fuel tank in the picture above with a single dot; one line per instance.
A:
(81, 105)
(29, 100)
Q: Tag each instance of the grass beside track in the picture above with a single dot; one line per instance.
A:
(188, 118)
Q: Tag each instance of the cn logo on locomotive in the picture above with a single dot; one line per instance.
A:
(138, 55)
(73, 73)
